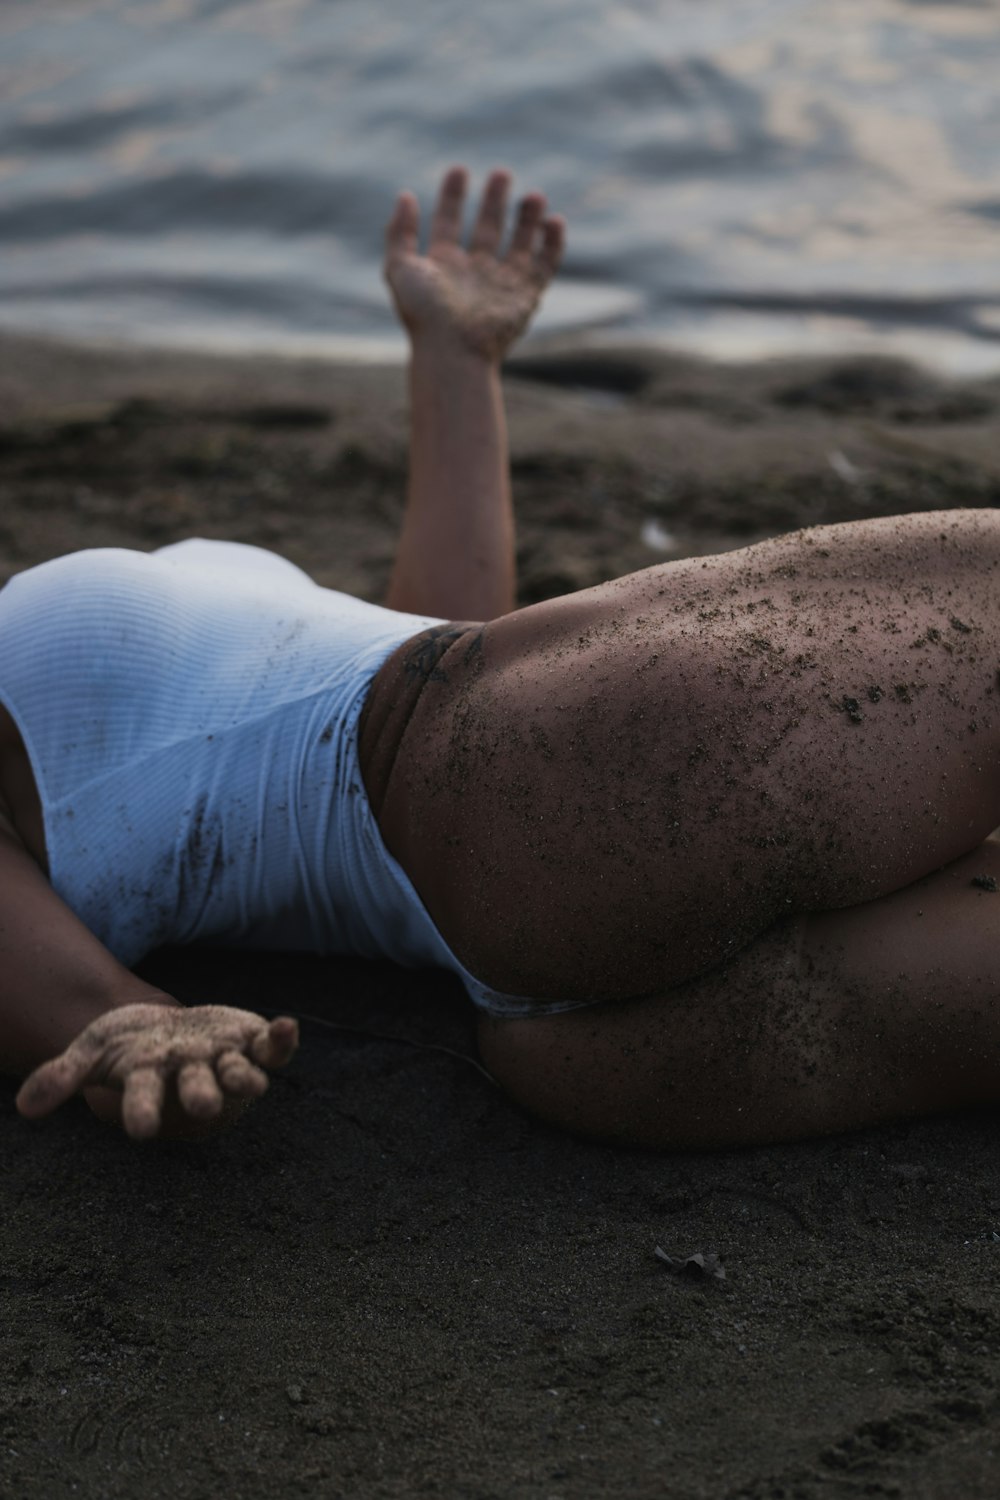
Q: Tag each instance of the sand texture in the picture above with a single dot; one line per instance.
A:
(388, 1281)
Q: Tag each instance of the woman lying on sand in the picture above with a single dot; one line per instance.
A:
(708, 845)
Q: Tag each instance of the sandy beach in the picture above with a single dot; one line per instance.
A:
(388, 1281)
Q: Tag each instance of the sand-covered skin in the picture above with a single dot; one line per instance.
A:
(387, 1281)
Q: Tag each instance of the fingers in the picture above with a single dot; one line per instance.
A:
(537, 243)
(553, 246)
(446, 225)
(142, 1103)
(542, 258)
(54, 1082)
(198, 1091)
(238, 1076)
(403, 228)
(529, 216)
(274, 1047)
(489, 225)
(201, 1047)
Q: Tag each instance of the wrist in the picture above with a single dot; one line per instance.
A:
(87, 1003)
(446, 350)
(136, 991)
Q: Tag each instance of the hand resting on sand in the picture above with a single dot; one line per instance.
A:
(207, 1054)
(481, 298)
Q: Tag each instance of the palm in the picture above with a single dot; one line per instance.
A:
(477, 296)
(208, 1052)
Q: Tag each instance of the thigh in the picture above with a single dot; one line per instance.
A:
(635, 781)
(823, 1023)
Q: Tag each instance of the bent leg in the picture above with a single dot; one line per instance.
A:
(826, 1023)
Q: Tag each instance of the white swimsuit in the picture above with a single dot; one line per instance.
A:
(191, 720)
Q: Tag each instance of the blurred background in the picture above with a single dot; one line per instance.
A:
(741, 177)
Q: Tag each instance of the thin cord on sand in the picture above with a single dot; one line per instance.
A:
(402, 1041)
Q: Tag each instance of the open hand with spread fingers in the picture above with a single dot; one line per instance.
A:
(482, 296)
(206, 1055)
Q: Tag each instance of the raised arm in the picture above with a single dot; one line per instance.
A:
(80, 1020)
(462, 309)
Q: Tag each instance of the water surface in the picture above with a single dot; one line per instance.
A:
(740, 176)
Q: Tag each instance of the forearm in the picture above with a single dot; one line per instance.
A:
(55, 977)
(456, 551)
(77, 1021)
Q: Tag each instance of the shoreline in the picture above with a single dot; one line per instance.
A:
(622, 456)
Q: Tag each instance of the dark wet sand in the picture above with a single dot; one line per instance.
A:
(387, 1281)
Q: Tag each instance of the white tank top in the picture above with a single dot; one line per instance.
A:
(189, 717)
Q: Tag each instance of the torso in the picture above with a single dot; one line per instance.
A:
(185, 716)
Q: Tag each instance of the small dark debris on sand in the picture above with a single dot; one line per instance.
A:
(700, 1266)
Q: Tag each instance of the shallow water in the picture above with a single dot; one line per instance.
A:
(740, 177)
